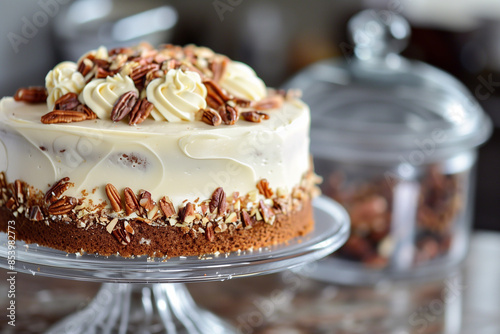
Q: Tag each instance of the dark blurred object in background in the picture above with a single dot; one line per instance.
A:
(276, 38)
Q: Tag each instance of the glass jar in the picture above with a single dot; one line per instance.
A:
(396, 143)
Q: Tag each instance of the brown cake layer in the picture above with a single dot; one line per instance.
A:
(158, 241)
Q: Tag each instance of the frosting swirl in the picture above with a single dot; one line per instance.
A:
(178, 95)
(63, 79)
(241, 80)
(101, 94)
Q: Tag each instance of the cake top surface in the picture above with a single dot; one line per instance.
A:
(143, 84)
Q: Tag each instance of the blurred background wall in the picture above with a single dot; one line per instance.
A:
(277, 38)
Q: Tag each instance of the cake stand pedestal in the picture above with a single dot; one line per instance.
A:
(158, 301)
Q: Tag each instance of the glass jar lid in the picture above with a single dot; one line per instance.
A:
(380, 106)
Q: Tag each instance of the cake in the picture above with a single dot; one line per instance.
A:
(175, 151)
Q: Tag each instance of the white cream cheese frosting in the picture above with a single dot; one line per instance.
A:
(178, 95)
(182, 160)
(63, 79)
(240, 80)
(101, 94)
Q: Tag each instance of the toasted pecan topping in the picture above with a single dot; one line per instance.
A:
(247, 220)
(218, 201)
(124, 105)
(114, 197)
(68, 101)
(35, 213)
(254, 116)
(145, 200)
(57, 190)
(140, 112)
(11, 204)
(121, 235)
(63, 116)
(85, 66)
(131, 202)
(128, 227)
(218, 68)
(167, 207)
(264, 189)
(211, 117)
(104, 73)
(187, 213)
(228, 114)
(31, 95)
(266, 211)
(87, 111)
(209, 232)
(62, 206)
(139, 73)
(271, 102)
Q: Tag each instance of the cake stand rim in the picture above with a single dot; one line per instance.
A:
(332, 227)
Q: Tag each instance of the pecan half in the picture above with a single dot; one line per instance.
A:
(209, 232)
(85, 66)
(264, 189)
(128, 227)
(171, 64)
(280, 205)
(187, 211)
(121, 50)
(218, 68)
(102, 63)
(122, 236)
(62, 206)
(242, 102)
(35, 213)
(228, 114)
(145, 200)
(266, 211)
(167, 207)
(218, 201)
(68, 101)
(31, 95)
(63, 116)
(254, 116)
(103, 73)
(124, 105)
(114, 197)
(271, 102)
(11, 204)
(211, 117)
(247, 220)
(153, 75)
(87, 111)
(139, 73)
(131, 202)
(57, 190)
(214, 101)
(140, 112)
(215, 89)
(216, 98)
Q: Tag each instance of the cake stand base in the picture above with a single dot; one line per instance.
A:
(121, 308)
(147, 296)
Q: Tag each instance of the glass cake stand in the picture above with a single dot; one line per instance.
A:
(158, 301)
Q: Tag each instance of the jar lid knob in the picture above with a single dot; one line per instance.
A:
(378, 33)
